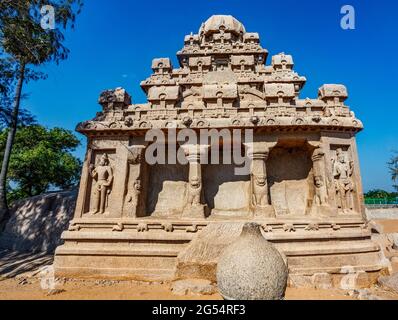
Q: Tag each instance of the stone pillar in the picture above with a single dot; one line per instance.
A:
(320, 179)
(260, 202)
(320, 203)
(134, 204)
(194, 207)
(83, 198)
(119, 167)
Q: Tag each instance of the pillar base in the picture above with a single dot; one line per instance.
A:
(194, 212)
(264, 211)
(323, 211)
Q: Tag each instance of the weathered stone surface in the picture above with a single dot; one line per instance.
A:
(382, 213)
(394, 238)
(199, 259)
(322, 281)
(375, 227)
(251, 268)
(136, 217)
(389, 282)
(363, 294)
(193, 286)
(36, 223)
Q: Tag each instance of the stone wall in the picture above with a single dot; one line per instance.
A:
(36, 223)
(382, 213)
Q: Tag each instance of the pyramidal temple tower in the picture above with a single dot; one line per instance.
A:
(137, 219)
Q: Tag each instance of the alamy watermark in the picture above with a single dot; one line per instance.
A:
(207, 146)
(47, 21)
(347, 22)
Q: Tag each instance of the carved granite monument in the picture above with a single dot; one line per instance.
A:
(134, 218)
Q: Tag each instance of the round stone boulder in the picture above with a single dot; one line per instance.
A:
(251, 268)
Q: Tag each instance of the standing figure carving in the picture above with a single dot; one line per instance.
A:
(342, 173)
(102, 174)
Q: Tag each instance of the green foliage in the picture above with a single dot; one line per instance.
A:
(41, 160)
(380, 197)
(380, 194)
(393, 166)
(22, 35)
(24, 42)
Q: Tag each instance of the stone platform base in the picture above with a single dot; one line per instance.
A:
(141, 250)
(327, 253)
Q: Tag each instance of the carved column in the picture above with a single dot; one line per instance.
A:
(83, 198)
(320, 203)
(120, 174)
(260, 202)
(134, 206)
(194, 207)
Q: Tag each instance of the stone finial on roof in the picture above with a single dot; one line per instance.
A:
(330, 92)
(226, 23)
(162, 65)
(251, 37)
(114, 99)
(282, 59)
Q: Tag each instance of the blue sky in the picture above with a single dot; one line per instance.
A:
(115, 41)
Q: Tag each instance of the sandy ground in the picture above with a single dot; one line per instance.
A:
(15, 289)
(389, 226)
(12, 289)
(18, 282)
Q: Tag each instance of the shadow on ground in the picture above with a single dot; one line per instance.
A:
(14, 263)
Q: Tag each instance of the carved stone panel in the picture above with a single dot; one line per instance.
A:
(342, 171)
(134, 204)
(290, 182)
(101, 179)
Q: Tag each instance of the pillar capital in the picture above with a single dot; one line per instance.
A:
(257, 155)
(194, 207)
(318, 155)
(259, 150)
(194, 152)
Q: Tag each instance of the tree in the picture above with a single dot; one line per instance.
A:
(378, 194)
(393, 166)
(7, 86)
(43, 163)
(25, 42)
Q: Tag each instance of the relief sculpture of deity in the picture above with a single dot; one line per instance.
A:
(102, 175)
(342, 173)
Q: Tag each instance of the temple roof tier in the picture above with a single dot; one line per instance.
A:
(224, 80)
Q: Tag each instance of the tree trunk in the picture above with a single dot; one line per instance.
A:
(4, 212)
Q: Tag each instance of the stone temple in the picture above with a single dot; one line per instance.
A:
(141, 220)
